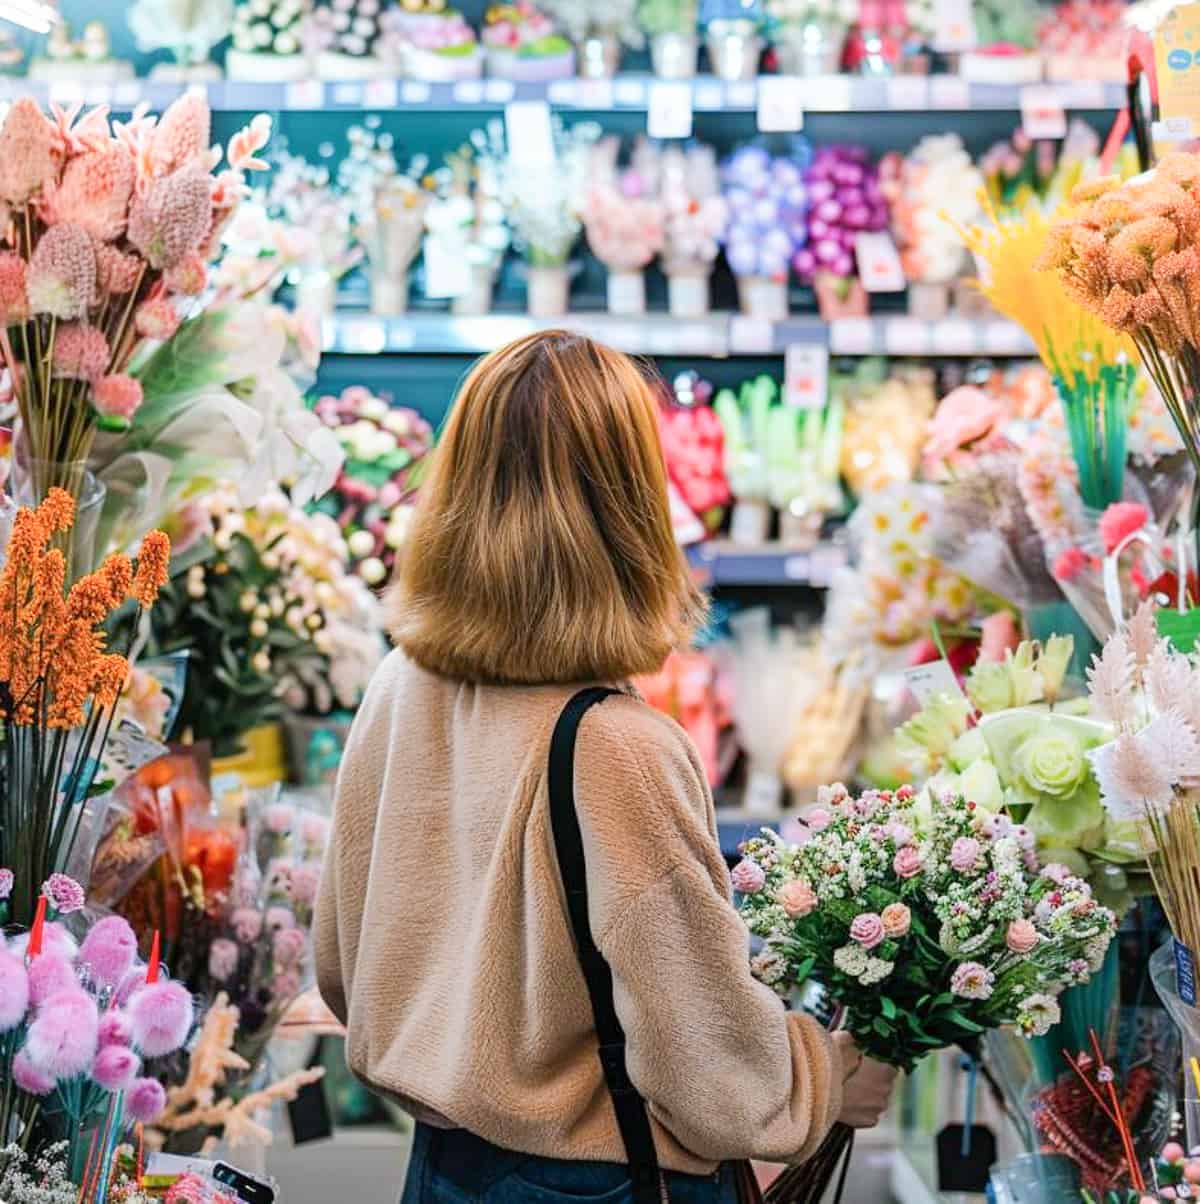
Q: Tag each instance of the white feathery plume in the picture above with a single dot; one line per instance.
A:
(1110, 680)
(1142, 632)
(1133, 784)
(1173, 744)
(1168, 678)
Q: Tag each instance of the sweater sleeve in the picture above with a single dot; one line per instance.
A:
(723, 1066)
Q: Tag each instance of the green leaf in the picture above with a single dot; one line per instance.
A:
(881, 1026)
(887, 1007)
(1182, 630)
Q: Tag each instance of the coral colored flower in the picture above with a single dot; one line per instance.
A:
(30, 1078)
(114, 1028)
(897, 920)
(187, 277)
(964, 854)
(49, 975)
(62, 1040)
(62, 273)
(866, 929)
(245, 144)
(907, 862)
(94, 193)
(1070, 563)
(748, 877)
(64, 893)
(160, 1018)
(1119, 521)
(14, 991)
(797, 899)
(156, 319)
(115, 1067)
(14, 302)
(80, 352)
(183, 133)
(964, 416)
(116, 272)
(972, 981)
(144, 1100)
(1021, 936)
(999, 635)
(171, 221)
(27, 159)
(6, 884)
(117, 396)
(108, 951)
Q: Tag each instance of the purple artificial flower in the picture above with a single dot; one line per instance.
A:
(50, 974)
(222, 959)
(64, 893)
(29, 1077)
(14, 991)
(114, 1028)
(247, 924)
(288, 946)
(62, 1040)
(160, 1017)
(144, 1100)
(115, 1067)
(6, 884)
(109, 951)
(748, 877)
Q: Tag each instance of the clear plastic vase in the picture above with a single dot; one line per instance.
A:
(1187, 1020)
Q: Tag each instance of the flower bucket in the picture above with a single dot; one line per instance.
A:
(800, 530)
(478, 298)
(31, 480)
(750, 522)
(547, 291)
(808, 48)
(599, 56)
(763, 297)
(734, 48)
(1187, 1020)
(687, 294)
(261, 761)
(626, 293)
(929, 302)
(389, 294)
(841, 297)
(673, 55)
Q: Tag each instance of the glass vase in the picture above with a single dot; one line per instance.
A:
(32, 479)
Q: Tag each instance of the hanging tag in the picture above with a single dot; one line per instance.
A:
(931, 680)
(447, 269)
(1042, 113)
(780, 104)
(530, 135)
(1185, 973)
(1175, 41)
(806, 376)
(953, 26)
(879, 266)
(670, 112)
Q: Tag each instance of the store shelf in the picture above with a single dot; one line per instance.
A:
(729, 564)
(625, 93)
(715, 336)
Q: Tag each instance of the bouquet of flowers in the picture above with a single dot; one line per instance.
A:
(695, 212)
(371, 500)
(523, 43)
(693, 446)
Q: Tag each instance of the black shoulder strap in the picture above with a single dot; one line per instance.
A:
(632, 1119)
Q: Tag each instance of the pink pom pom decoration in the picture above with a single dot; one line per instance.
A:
(109, 950)
(14, 303)
(144, 1101)
(117, 272)
(156, 319)
(94, 192)
(62, 273)
(172, 220)
(117, 396)
(49, 975)
(55, 939)
(14, 991)
(115, 1067)
(27, 159)
(80, 352)
(131, 983)
(29, 1077)
(62, 1040)
(114, 1029)
(160, 1017)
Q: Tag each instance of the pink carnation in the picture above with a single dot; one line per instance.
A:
(144, 1100)
(114, 1028)
(971, 981)
(117, 396)
(247, 924)
(279, 818)
(62, 273)
(94, 192)
(117, 272)
(65, 894)
(109, 950)
(818, 819)
(170, 221)
(748, 877)
(965, 416)
(222, 959)
(62, 1040)
(1056, 872)
(183, 133)
(14, 991)
(160, 1017)
(303, 883)
(115, 1067)
(279, 918)
(6, 883)
(897, 920)
(187, 277)
(80, 352)
(27, 159)
(1119, 521)
(29, 1077)
(14, 302)
(867, 929)
(964, 853)
(288, 946)
(907, 862)
(49, 975)
(156, 319)
(797, 899)
(1021, 936)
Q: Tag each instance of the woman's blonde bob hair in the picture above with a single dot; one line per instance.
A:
(541, 549)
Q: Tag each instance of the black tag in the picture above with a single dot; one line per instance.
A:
(309, 1114)
(970, 1171)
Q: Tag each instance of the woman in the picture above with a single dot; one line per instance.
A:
(541, 558)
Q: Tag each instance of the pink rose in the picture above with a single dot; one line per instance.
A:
(966, 415)
(748, 877)
(797, 899)
(897, 920)
(867, 929)
(818, 819)
(907, 862)
(1021, 936)
(964, 853)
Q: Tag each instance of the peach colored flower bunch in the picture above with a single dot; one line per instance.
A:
(106, 227)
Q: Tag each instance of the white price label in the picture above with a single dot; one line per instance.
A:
(806, 376)
(954, 336)
(852, 336)
(1083, 94)
(594, 94)
(498, 91)
(529, 132)
(1173, 129)
(98, 94)
(415, 92)
(824, 561)
(670, 111)
(879, 266)
(740, 94)
(949, 92)
(830, 93)
(1042, 113)
(347, 94)
(468, 92)
(381, 94)
(561, 92)
(796, 568)
(629, 93)
(780, 104)
(708, 95)
(751, 336)
(906, 336)
(930, 681)
(907, 92)
(953, 26)
(447, 269)
(304, 94)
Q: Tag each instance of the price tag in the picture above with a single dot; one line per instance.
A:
(670, 112)
(415, 92)
(953, 336)
(796, 568)
(530, 135)
(930, 681)
(401, 336)
(1185, 973)
(751, 336)
(953, 26)
(1178, 74)
(468, 92)
(1174, 129)
(740, 94)
(824, 561)
(907, 92)
(708, 95)
(381, 94)
(498, 91)
(594, 94)
(906, 336)
(806, 376)
(949, 92)
(98, 94)
(852, 336)
(304, 94)
(1042, 113)
(879, 266)
(447, 269)
(349, 95)
(630, 93)
(780, 104)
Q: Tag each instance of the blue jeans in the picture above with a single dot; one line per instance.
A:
(455, 1167)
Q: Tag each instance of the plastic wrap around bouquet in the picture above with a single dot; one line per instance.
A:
(523, 44)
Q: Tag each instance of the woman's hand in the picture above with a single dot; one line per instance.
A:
(867, 1085)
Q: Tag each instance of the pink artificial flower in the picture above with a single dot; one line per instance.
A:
(1056, 872)
(965, 416)
(187, 277)
(49, 975)
(897, 920)
(279, 918)
(278, 818)
(314, 830)
(114, 1028)
(1070, 563)
(73, 136)
(1119, 521)
(172, 220)
(29, 1077)
(867, 929)
(748, 877)
(160, 1017)
(797, 899)
(117, 272)
(303, 883)
(62, 1039)
(62, 273)
(182, 135)
(144, 1100)
(247, 924)
(1021, 936)
(55, 939)
(247, 142)
(109, 950)
(1000, 635)
(156, 319)
(117, 396)
(6, 884)
(188, 1189)
(133, 982)
(818, 819)
(222, 959)
(80, 352)
(964, 854)
(285, 986)
(94, 193)
(288, 946)
(27, 158)
(65, 894)
(907, 862)
(898, 832)
(115, 1067)
(14, 302)
(970, 980)
(14, 990)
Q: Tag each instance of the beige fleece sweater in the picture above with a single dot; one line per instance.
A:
(442, 939)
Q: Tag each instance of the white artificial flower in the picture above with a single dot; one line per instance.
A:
(1039, 1014)
(850, 960)
(876, 970)
(1110, 680)
(1133, 783)
(1168, 677)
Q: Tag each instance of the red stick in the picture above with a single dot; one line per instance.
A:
(152, 968)
(34, 949)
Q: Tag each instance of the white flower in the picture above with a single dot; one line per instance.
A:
(851, 960)
(1142, 631)
(1038, 1015)
(1110, 679)
(876, 970)
(1174, 744)
(768, 967)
